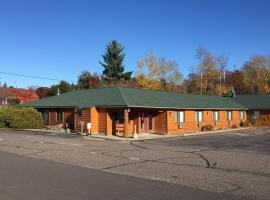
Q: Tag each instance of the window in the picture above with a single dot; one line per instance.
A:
(215, 116)
(198, 116)
(241, 115)
(257, 115)
(45, 116)
(142, 121)
(179, 116)
(59, 116)
(80, 112)
(229, 115)
(150, 118)
(118, 117)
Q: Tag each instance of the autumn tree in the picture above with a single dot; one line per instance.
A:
(3, 93)
(209, 76)
(208, 71)
(257, 71)
(114, 69)
(238, 80)
(192, 83)
(62, 87)
(158, 74)
(87, 80)
(42, 92)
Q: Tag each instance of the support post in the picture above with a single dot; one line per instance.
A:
(75, 120)
(139, 124)
(126, 123)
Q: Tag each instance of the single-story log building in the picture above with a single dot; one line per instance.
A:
(125, 111)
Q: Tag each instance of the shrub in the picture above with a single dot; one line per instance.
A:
(245, 124)
(257, 123)
(234, 126)
(2, 125)
(207, 127)
(21, 118)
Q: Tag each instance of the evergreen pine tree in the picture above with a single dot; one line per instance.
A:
(113, 63)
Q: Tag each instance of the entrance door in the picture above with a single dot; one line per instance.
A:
(147, 122)
(45, 116)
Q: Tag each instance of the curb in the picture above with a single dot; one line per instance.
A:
(115, 138)
(218, 131)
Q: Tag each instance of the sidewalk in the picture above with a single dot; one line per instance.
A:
(152, 136)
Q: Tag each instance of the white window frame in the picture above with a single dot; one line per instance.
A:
(229, 116)
(241, 115)
(199, 116)
(215, 115)
(180, 116)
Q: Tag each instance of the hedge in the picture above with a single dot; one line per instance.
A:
(207, 127)
(20, 118)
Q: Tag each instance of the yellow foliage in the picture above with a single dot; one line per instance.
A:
(143, 82)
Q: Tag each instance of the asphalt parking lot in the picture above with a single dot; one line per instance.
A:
(236, 163)
(256, 140)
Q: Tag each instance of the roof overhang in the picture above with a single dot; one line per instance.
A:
(47, 106)
(168, 108)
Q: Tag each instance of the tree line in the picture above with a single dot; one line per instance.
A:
(211, 76)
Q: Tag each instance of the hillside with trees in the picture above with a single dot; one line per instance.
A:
(211, 75)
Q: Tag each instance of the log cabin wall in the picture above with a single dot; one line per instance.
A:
(164, 120)
(190, 124)
(82, 116)
(161, 123)
(67, 116)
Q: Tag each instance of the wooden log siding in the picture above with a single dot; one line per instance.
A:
(109, 128)
(265, 118)
(126, 123)
(94, 115)
(67, 116)
(102, 121)
(161, 122)
(85, 117)
(190, 124)
(265, 115)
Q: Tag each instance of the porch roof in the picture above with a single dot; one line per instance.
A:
(130, 97)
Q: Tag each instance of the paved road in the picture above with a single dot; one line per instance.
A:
(32, 179)
(236, 163)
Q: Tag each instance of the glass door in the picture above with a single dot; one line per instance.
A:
(45, 116)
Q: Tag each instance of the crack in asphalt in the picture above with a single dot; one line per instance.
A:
(236, 188)
(34, 153)
(196, 154)
(52, 149)
(208, 163)
(225, 149)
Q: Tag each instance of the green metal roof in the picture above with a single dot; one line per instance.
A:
(254, 101)
(82, 99)
(130, 97)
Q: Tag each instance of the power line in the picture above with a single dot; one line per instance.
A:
(32, 76)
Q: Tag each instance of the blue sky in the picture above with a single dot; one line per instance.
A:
(59, 39)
